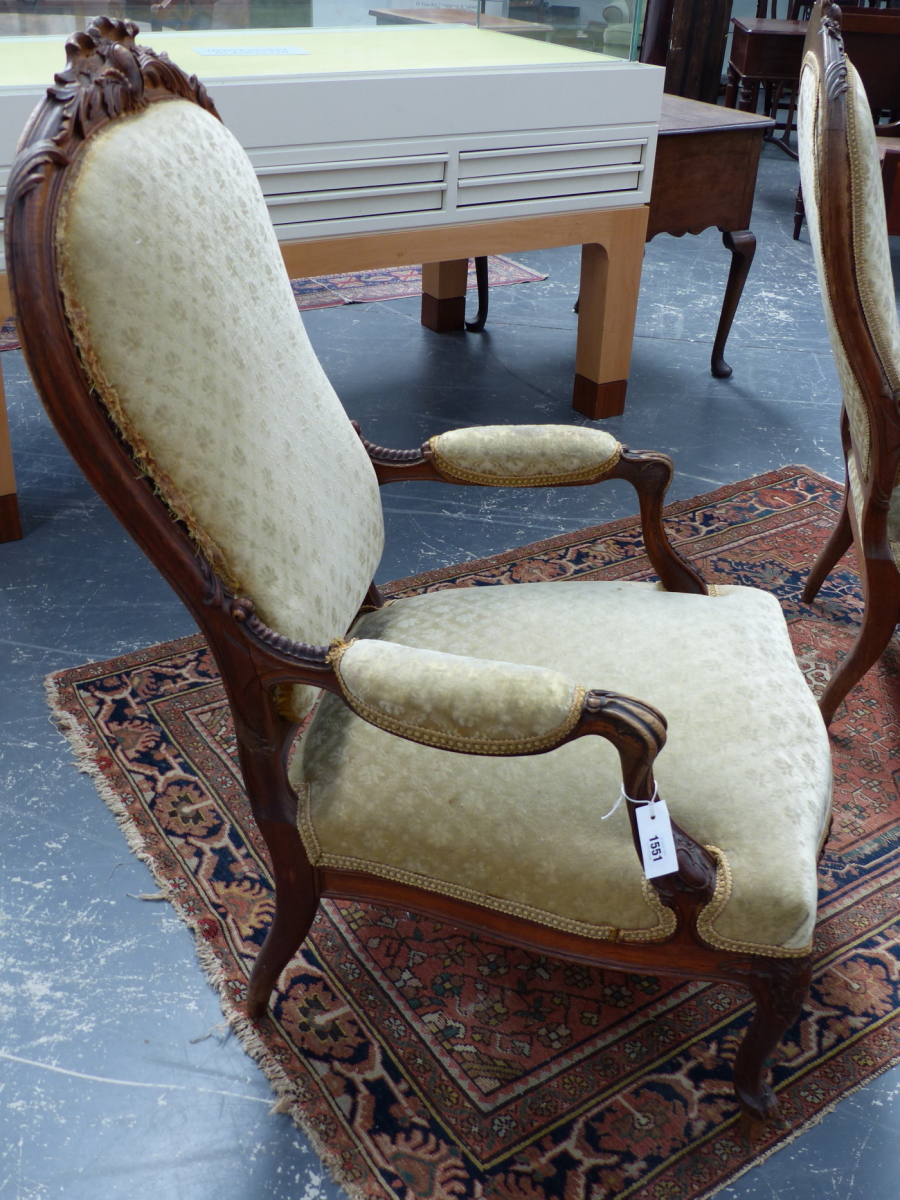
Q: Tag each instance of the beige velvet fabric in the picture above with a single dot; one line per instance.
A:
(455, 702)
(747, 766)
(184, 314)
(532, 455)
(870, 243)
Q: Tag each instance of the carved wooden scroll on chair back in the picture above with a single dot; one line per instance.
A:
(844, 198)
(471, 738)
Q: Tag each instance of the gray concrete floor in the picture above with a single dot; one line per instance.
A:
(104, 1091)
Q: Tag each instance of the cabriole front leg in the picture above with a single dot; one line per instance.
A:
(296, 902)
(274, 804)
(780, 987)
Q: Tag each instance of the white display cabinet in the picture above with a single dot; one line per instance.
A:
(365, 130)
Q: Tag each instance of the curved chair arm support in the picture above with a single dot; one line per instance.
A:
(648, 472)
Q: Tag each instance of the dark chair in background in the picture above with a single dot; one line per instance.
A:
(872, 43)
(841, 178)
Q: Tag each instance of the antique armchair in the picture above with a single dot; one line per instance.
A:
(844, 199)
(468, 741)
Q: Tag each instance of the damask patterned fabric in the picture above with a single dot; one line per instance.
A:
(457, 702)
(870, 241)
(746, 768)
(526, 453)
(184, 315)
(870, 238)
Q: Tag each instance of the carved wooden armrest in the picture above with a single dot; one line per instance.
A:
(480, 706)
(547, 456)
(524, 455)
(503, 456)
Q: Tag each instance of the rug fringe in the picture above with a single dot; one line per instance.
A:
(287, 1099)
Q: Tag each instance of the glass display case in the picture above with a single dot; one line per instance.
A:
(611, 27)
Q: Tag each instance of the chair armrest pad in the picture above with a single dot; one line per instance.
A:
(471, 705)
(524, 455)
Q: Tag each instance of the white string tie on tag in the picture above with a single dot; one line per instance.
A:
(623, 796)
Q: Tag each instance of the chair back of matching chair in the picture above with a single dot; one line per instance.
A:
(139, 240)
(844, 199)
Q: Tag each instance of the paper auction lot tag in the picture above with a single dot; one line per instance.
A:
(657, 842)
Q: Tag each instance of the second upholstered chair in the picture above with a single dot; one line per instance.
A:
(469, 741)
(844, 196)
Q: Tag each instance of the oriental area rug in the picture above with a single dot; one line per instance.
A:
(361, 287)
(428, 1063)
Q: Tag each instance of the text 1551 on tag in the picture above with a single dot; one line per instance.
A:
(657, 842)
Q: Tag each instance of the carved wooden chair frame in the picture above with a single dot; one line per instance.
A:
(869, 534)
(108, 76)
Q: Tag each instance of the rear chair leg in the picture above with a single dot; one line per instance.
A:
(839, 542)
(878, 624)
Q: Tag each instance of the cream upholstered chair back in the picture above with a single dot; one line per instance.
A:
(844, 199)
(184, 317)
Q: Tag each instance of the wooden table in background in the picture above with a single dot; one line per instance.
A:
(612, 251)
(705, 176)
(762, 51)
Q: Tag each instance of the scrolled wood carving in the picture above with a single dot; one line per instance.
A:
(836, 68)
(383, 455)
(304, 655)
(107, 75)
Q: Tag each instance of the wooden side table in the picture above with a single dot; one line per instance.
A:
(763, 51)
(705, 175)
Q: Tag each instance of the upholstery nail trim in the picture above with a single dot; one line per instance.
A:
(716, 907)
(607, 933)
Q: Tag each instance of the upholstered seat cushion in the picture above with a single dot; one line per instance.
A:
(746, 767)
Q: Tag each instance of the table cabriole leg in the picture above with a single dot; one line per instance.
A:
(742, 246)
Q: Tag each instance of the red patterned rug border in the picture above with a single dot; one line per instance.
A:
(91, 761)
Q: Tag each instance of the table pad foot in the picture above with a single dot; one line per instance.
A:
(599, 400)
(10, 526)
(443, 316)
